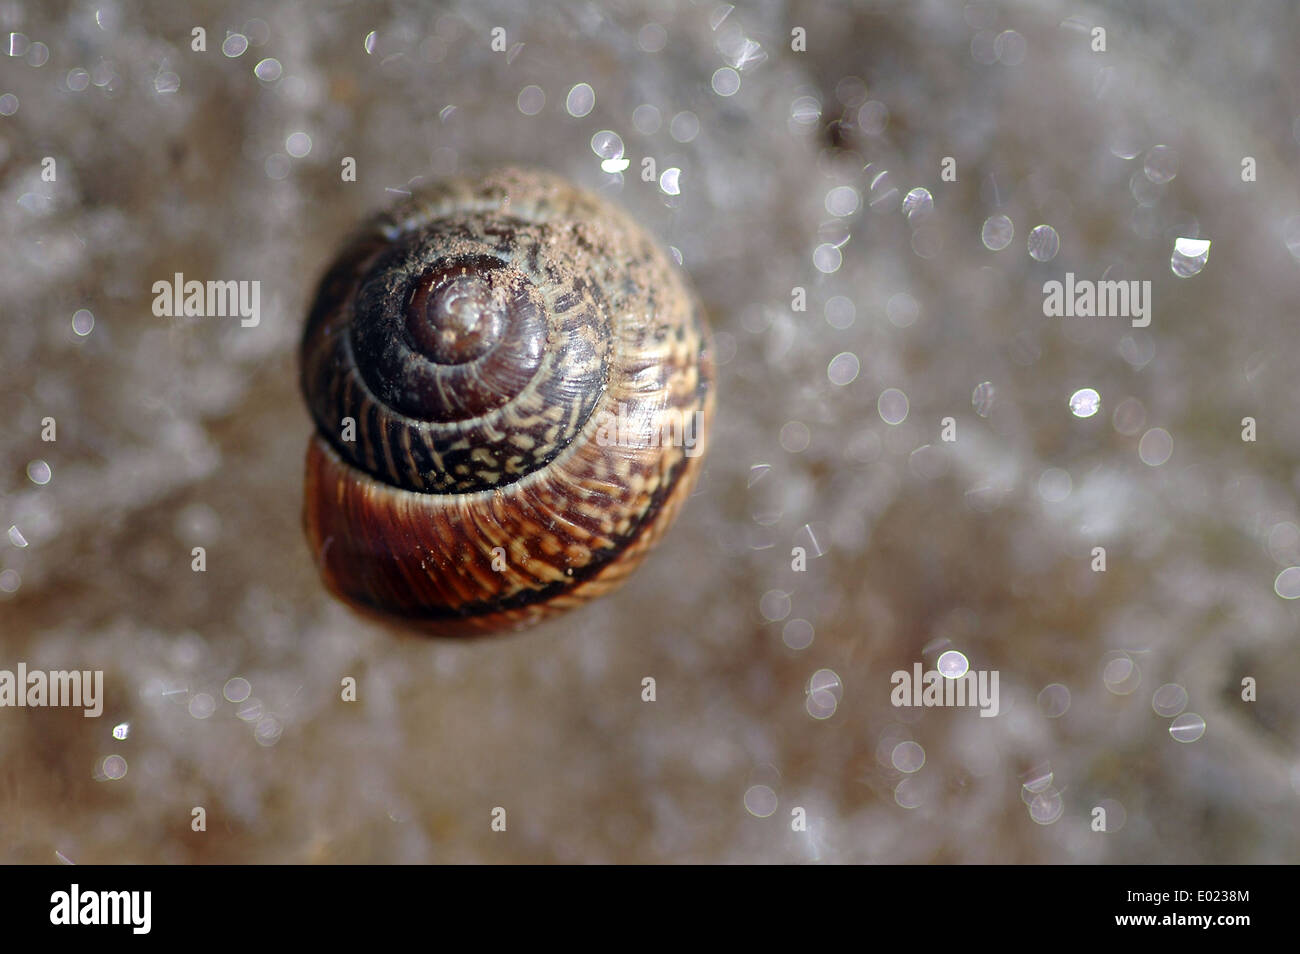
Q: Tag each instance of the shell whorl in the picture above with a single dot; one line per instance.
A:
(487, 336)
(467, 339)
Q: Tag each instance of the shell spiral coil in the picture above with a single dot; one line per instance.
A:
(512, 387)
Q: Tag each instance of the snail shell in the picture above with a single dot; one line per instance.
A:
(530, 385)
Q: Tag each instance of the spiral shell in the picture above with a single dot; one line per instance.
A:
(529, 385)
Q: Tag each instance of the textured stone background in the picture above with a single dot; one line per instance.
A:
(177, 433)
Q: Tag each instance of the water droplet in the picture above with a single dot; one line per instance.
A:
(1188, 727)
(234, 45)
(805, 111)
(918, 203)
(38, 472)
(824, 693)
(38, 55)
(646, 118)
(774, 605)
(1169, 700)
(1054, 700)
(607, 144)
(1160, 164)
(237, 689)
(652, 38)
(1085, 402)
(685, 126)
(952, 664)
(997, 233)
(121, 730)
(1047, 807)
(840, 312)
(798, 634)
(268, 70)
(1126, 144)
(892, 406)
(1129, 417)
(202, 705)
(902, 310)
(1054, 485)
(808, 540)
(908, 757)
(795, 437)
(872, 117)
(298, 144)
(276, 166)
(982, 398)
(884, 197)
(760, 801)
(1156, 447)
(1044, 243)
(843, 200)
(268, 730)
(726, 81)
(827, 258)
(580, 101)
(844, 368)
(1287, 584)
(1190, 256)
(531, 100)
(1121, 675)
(908, 792)
(1146, 193)
(1009, 47)
(250, 710)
